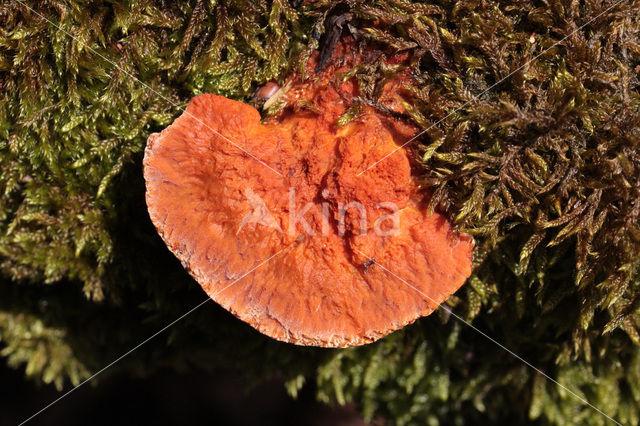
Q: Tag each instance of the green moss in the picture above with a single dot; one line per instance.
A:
(530, 111)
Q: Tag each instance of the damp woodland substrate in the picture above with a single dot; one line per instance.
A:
(531, 144)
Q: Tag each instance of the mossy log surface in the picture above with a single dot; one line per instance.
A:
(531, 119)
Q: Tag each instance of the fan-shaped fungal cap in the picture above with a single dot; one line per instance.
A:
(215, 197)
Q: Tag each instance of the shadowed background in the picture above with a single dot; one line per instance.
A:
(543, 170)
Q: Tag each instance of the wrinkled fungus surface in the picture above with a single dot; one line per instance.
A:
(324, 275)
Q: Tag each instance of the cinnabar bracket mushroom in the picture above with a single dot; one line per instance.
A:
(222, 213)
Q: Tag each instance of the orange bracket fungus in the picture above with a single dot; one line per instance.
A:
(227, 192)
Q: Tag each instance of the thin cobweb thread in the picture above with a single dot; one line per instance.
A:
(160, 95)
(500, 345)
(476, 98)
(130, 351)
